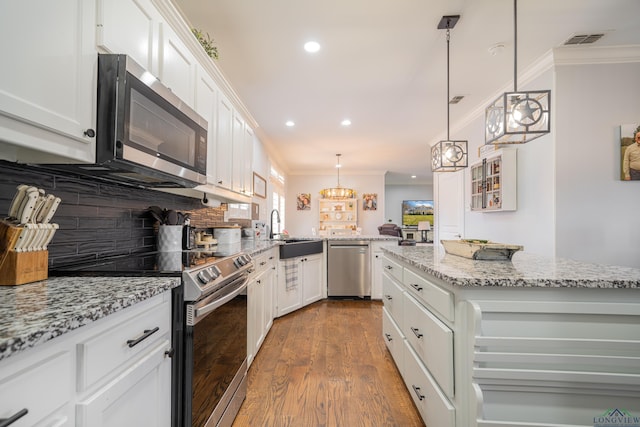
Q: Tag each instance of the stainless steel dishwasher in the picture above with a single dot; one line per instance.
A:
(349, 270)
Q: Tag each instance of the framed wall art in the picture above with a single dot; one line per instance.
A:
(630, 152)
(370, 202)
(259, 186)
(303, 201)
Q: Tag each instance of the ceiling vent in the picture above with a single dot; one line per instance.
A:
(456, 99)
(583, 39)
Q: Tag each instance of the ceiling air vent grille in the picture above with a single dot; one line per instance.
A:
(583, 39)
(456, 99)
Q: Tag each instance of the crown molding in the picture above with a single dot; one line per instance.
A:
(575, 55)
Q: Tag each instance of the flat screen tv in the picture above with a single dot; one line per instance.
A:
(414, 211)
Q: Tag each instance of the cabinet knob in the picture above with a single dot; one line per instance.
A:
(169, 353)
(90, 133)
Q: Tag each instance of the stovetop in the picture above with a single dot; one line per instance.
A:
(139, 264)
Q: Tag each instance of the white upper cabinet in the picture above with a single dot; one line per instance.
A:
(224, 143)
(237, 144)
(47, 81)
(247, 161)
(130, 27)
(206, 105)
(177, 65)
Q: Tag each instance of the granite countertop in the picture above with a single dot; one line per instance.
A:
(524, 270)
(34, 313)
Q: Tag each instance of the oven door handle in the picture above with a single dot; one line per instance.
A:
(200, 312)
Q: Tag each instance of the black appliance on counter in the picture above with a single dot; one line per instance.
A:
(209, 312)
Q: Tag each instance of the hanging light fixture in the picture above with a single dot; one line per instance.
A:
(520, 116)
(448, 156)
(338, 192)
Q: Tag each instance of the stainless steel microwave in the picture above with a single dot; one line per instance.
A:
(145, 134)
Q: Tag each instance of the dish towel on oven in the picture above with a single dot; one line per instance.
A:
(290, 274)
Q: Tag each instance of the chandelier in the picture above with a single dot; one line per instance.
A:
(448, 156)
(520, 116)
(338, 192)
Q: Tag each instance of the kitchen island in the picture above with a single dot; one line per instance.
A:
(535, 341)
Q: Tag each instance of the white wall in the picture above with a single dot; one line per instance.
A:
(395, 194)
(597, 213)
(299, 223)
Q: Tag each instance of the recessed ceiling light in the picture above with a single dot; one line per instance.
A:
(413, 176)
(290, 123)
(346, 122)
(312, 47)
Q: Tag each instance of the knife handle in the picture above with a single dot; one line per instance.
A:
(42, 213)
(27, 206)
(17, 200)
(51, 211)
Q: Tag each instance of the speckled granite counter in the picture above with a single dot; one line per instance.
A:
(34, 313)
(524, 270)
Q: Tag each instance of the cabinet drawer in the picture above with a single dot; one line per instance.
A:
(42, 388)
(394, 340)
(429, 293)
(107, 352)
(435, 408)
(432, 340)
(392, 268)
(392, 298)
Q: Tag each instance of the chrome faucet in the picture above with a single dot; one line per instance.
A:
(271, 224)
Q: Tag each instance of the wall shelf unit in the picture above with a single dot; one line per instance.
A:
(493, 181)
(341, 214)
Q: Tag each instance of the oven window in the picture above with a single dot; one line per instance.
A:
(219, 350)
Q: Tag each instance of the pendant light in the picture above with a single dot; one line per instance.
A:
(338, 192)
(448, 156)
(520, 116)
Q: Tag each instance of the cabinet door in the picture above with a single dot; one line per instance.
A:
(136, 397)
(48, 80)
(247, 161)
(205, 104)
(312, 279)
(289, 293)
(269, 287)
(223, 142)
(376, 271)
(130, 27)
(237, 153)
(255, 333)
(177, 65)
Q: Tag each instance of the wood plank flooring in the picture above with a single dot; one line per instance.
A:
(327, 365)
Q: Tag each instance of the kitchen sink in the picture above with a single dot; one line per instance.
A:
(292, 248)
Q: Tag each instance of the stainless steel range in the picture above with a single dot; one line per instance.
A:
(209, 359)
(215, 341)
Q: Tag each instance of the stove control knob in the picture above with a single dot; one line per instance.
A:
(204, 277)
(214, 272)
(247, 259)
(238, 262)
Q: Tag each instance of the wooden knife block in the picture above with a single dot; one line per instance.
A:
(17, 268)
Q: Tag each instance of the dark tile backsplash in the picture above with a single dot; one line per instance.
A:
(99, 219)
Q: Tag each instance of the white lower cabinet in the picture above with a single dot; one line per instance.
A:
(113, 372)
(434, 407)
(300, 283)
(393, 339)
(260, 301)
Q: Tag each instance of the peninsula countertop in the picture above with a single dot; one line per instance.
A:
(524, 270)
(34, 313)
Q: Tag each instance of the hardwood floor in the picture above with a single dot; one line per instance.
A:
(327, 365)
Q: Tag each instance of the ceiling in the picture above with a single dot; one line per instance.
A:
(382, 64)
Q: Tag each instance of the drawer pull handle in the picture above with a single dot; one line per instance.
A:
(263, 263)
(388, 267)
(416, 287)
(389, 297)
(416, 390)
(416, 331)
(4, 422)
(147, 333)
(388, 337)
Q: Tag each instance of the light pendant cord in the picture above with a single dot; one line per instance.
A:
(448, 37)
(515, 45)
